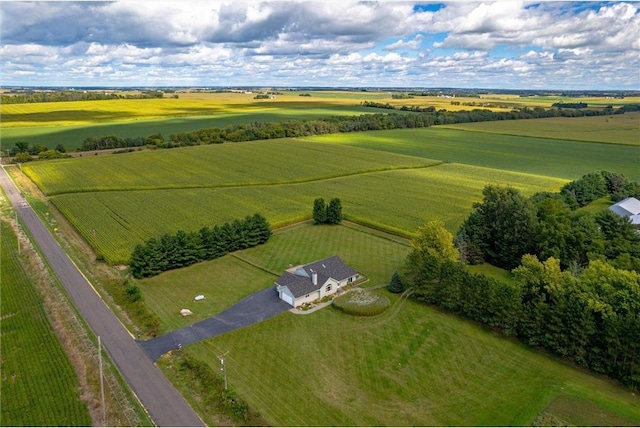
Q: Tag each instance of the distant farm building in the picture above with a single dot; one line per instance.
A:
(628, 208)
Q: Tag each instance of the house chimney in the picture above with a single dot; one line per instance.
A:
(314, 278)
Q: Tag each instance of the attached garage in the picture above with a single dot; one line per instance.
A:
(286, 296)
(306, 283)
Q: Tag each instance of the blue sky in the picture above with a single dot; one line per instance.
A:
(503, 44)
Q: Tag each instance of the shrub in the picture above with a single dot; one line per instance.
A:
(361, 302)
(395, 285)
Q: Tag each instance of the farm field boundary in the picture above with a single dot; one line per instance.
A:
(621, 129)
(541, 156)
(398, 201)
(277, 161)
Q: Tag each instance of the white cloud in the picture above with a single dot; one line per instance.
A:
(320, 43)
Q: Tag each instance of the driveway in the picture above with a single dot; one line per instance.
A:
(252, 309)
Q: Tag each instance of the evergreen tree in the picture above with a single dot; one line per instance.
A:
(396, 285)
(334, 211)
(319, 211)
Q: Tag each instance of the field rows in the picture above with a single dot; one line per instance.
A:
(528, 154)
(400, 200)
(232, 164)
(39, 386)
(614, 129)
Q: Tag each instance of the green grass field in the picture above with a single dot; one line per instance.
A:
(410, 366)
(223, 165)
(614, 129)
(533, 155)
(396, 200)
(39, 386)
(229, 279)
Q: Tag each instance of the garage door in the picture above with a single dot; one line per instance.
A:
(287, 298)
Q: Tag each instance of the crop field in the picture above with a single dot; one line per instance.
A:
(39, 387)
(614, 129)
(533, 155)
(411, 366)
(69, 123)
(72, 136)
(396, 200)
(229, 279)
(224, 165)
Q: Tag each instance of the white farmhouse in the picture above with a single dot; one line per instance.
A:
(313, 281)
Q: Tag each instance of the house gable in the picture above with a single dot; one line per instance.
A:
(315, 280)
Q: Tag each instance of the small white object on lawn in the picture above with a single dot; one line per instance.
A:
(199, 297)
(185, 312)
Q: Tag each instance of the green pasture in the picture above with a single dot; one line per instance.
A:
(410, 366)
(614, 129)
(229, 279)
(395, 200)
(39, 386)
(220, 165)
(540, 156)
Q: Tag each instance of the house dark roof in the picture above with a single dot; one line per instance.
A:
(299, 280)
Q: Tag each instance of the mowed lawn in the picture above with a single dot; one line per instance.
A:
(227, 280)
(541, 156)
(39, 386)
(396, 200)
(411, 366)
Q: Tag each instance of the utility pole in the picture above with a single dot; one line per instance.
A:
(18, 234)
(104, 410)
(223, 368)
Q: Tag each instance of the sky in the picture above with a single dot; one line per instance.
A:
(464, 44)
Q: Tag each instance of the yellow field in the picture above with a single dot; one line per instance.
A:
(75, 113)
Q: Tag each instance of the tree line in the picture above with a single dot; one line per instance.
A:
(186, 248)
(58, 96)
(569, 105)
(592, 318)
(575, 287)
(506, 225)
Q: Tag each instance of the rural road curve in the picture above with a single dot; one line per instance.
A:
(252, 309)
(163, 402)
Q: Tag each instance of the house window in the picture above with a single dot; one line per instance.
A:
(328, 288)
(306, 296)
(350, 279)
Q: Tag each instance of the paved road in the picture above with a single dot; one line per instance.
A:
(163, 402)
(252, 309)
